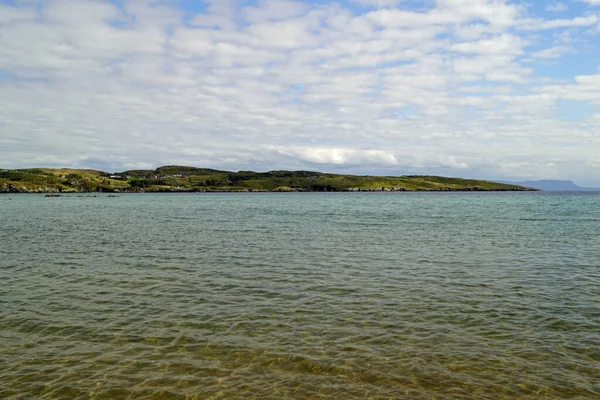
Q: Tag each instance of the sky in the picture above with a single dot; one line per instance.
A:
(489, 89)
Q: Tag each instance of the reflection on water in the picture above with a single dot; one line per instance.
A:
(301, 296)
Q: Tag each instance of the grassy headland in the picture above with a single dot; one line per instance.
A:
(191, 179)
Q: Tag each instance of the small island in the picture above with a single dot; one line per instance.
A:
(191, 179)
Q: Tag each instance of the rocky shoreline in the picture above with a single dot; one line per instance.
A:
(54, 192)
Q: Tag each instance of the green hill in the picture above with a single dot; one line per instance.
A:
(174, 178)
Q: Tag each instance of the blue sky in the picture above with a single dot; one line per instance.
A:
(492, 89)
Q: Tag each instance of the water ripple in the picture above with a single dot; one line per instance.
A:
(320, 296)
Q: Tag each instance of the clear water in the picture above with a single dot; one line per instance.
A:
(300, 296)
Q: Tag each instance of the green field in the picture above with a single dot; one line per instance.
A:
(191, 179)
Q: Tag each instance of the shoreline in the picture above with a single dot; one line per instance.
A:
(57, 193)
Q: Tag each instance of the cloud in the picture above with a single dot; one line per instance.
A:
(274, 10)
(10, 15)
(324, 155)
(551, 52)
(501, 44)
(557, 7)
(377, 3)
(460, 87)
(588, 20)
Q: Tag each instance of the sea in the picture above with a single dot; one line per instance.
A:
(482, 295)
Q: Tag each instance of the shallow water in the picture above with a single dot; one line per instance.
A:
(301, 296)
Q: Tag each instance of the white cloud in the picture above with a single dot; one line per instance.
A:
(10, 15)
(274, 10)
(536, 24)
(551, 52)
(496, 12)
(502, 44)
(557, 7)
(453, 88)
(290, 34)
(324, 155)
(377, 3)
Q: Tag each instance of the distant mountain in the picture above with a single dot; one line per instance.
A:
(552, 185)
(175, 178)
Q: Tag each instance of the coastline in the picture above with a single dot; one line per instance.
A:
(45, 190)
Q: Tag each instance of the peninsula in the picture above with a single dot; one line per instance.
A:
(192, 179)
